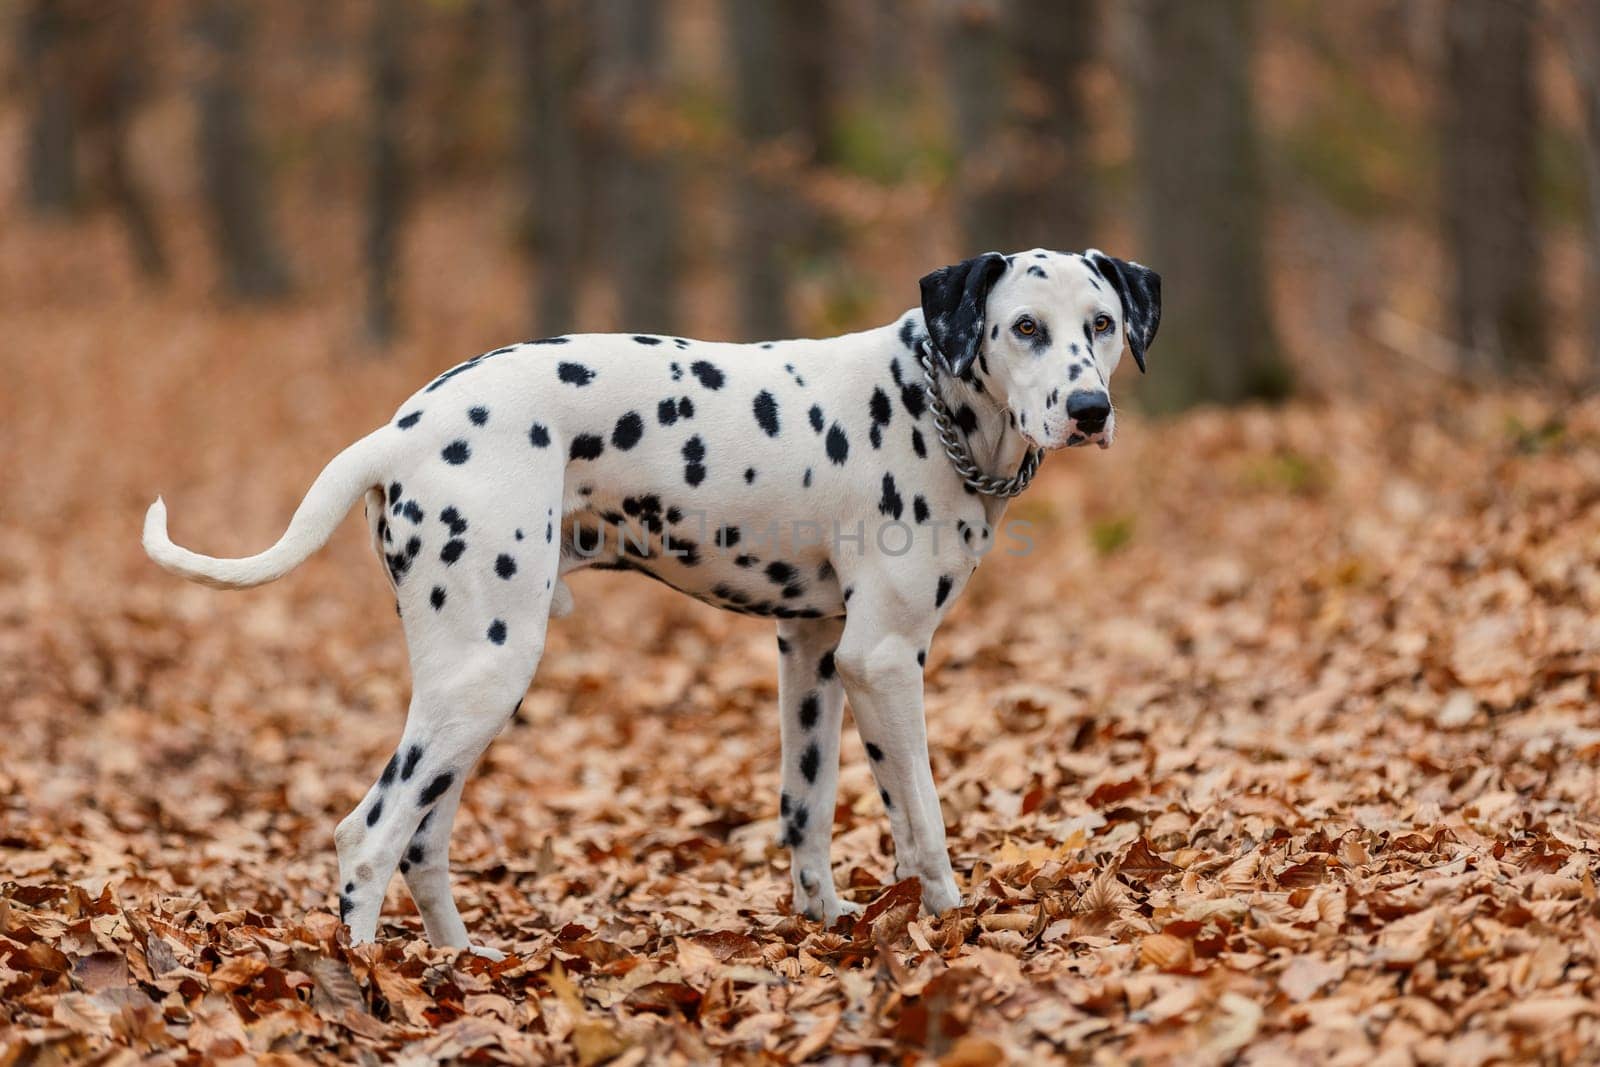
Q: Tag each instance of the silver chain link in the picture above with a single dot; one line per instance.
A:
(955, 447)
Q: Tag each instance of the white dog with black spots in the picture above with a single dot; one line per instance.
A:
(844, 487)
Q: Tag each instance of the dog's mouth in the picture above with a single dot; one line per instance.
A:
(1074, 439)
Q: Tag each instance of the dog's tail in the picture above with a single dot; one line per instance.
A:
(341, 482)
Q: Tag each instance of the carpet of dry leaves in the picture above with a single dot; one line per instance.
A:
(1281, 747)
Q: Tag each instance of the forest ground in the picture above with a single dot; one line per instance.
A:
(1281, 746)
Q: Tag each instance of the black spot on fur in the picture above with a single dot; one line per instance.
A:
(816, 417)
(574, 374)
(413, 754)
(810, 762)
(437, 597)
(550, 341)
(452, 551)
(644, 339)
(505, 566)
(783, 808)
(806, 481)
(667, 412)
(890, 503)
(922, 658)
(838, 445)
(413, 511)
(780, 573)
(452, 518)
(881, 411)
(375, 812)
(917, 444)
(766, 412)
(408, 421)
(628, 430)
(415, 853)
(395, 489)
(539, 436)
(919, 508)
(478, 415)
(810, 710)
(389, 770)
(685, 408)
(966, 419)
(709, 376)
(728, 536)
(456, 453)
(914, 399)
(749, 475)
(694, 451)
(825, 667)
(943, 592)
(883, 795)
(874, 753)
(587, 446)
(497, 632)
(436, 789)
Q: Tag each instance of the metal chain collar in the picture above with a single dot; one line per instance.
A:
(955, 446)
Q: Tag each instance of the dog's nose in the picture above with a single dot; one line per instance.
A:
(1089, 410)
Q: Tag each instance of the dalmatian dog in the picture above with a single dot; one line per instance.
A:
(845, 488)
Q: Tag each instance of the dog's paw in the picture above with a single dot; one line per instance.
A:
(939, 895)
(491, 954)
(843, 907)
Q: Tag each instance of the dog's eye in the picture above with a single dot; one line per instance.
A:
(1102, 323)
(1026, 326)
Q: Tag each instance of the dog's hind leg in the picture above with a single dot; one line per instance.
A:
(811, 702)
(475, 604)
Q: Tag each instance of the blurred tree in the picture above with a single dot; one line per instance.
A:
(553, 54)
(111, 80)
(767, 106)
(1490, 121)
(386, 171)
(1015, 75)
(1203, 202)
(1053, 41)
(44, 64)
(1578, 25)
(980, 65)
(233, 170)
(636, 167)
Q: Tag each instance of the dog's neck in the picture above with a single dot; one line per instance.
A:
(994, 444)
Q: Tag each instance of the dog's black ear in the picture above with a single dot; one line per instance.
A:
(1139, 287)
(953, 299)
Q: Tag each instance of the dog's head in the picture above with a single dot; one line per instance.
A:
(1043, 332)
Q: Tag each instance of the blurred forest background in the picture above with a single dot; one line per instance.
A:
(1345, 197)
(1283, 746)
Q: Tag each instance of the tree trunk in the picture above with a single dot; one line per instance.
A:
(761, 208)
(980, 66)
(1582, 35)
(553, 49)
(237, 190)
(640, 232)
(1490, 118)
(44, 65)
(111, 74)
(386, 173)
(1052, 42)
(1203, 203)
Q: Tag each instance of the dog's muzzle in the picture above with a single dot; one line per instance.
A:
(1089, 418)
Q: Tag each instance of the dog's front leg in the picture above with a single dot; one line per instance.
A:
(811, 701)
(880, 661)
